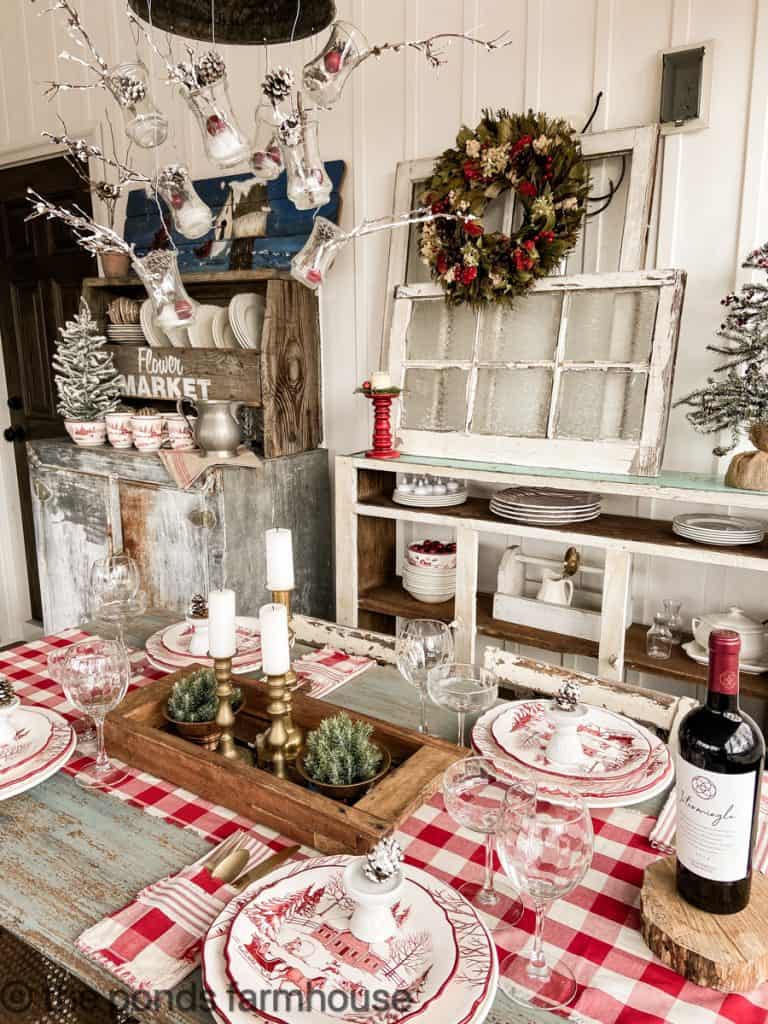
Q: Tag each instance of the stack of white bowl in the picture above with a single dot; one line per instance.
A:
(430, 577)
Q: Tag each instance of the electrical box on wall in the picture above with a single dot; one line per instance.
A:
(686, 82)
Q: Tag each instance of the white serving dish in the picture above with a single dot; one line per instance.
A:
(430, 561)
(700, 655)
(752, 633)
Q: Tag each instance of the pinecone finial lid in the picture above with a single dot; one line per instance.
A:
(567, 697)
(7, 694)
(383, 861)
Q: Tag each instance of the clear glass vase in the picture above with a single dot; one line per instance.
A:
(266, 157)
(311, 264)
(309, 186)
(159, 273)
(658, 640)
(144, 124)
(190, 215)
(223, 139)
(325, 76)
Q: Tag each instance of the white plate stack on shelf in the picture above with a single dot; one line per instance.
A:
(429, 573)
(168, 648)
(542, 506)
(246, 315)
(429, 492)
(721, 530)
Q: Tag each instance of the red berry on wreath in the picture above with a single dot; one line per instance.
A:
(473, 228)
(471, 170)
(215, 125)
(332, 61)
(441, 263)
(468, 275)
(527, 188)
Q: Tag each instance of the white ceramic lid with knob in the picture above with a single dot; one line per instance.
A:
(752, 632)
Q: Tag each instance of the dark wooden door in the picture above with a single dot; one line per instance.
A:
(41, 270)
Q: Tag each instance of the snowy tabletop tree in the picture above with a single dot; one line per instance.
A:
(86, 378)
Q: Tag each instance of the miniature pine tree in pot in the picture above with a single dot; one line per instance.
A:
(86, 379)
(192, 706)
(340, 758)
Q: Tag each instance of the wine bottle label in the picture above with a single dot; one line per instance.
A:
(714, 821)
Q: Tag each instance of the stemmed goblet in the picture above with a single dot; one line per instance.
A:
(116, 596)
(422, 645)
(476, 791)
(545, 847)
(462, 688)
(83, 726)
(95, 674)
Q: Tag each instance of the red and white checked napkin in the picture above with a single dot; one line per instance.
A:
(328, 669)
(154, 941)
(662, 837)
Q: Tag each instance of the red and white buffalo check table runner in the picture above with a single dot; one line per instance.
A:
(596, 926)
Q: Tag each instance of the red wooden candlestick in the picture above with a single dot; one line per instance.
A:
(382, 429)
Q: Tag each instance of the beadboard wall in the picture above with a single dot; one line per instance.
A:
(711, 200)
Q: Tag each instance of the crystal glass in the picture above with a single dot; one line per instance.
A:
(311, 264)
(190, 215)
(476, 791)
(115, 595)
(309, 186)
(462, 688)
(658, 639)
(545, 847)
(674, 621)
(266, 156)
(83, 726)
(325, 75)
(95, 678)
(223, 140)
(422, 645)
(159, 273)
(144, 124)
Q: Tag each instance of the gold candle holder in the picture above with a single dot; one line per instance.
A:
(295, 737)
(225, 718)
(272, 744)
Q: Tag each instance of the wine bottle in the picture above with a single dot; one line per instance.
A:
(719, 772)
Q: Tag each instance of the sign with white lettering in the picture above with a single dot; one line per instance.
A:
(167, 375)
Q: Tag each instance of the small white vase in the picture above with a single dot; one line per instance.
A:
(198, 642)
(565, 747)
(372, 920)
(7, 728)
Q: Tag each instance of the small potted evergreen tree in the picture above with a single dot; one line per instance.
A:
(340, 760)
(192, 705)
(86, 379)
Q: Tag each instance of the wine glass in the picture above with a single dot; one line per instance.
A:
(95, 677)
(115, 591)
(462, 688)
(545, 847)
(476, 791)
(422, 644)
(83, 725)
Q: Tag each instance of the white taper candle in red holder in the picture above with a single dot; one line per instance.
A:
(222, 641)
(275, 646)
(280, 575)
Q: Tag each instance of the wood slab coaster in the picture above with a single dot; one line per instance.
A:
(727, 952)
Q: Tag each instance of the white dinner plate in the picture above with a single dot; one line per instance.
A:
(223, 335)
(201, 331)
(155, 335)
(700, 655)
(246, 314)
(718, 523)
(52, 755)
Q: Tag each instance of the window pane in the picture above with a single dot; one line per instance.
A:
(514, 403)
(435, 399)
(416, 272)
(439, 331)
(611, 324)
(598, 249)
(528, 331)
(601, 405)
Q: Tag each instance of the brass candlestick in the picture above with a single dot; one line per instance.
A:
(272, 744)
(295, 737)
(225, 719)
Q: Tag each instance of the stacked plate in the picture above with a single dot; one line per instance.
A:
(43, 744)
(429, 492)
(290, 933)
(724, 531)
(624, 763)
(246, 315)
(431, 586)
(168, 648)
(542, 506)
(126, 334)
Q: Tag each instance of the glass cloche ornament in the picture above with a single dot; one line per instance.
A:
(206, 91)
(311, 264)
(308, 186)
(159, 273)
(325, 75)
(190, 215)
(266, 157)
(130, 86)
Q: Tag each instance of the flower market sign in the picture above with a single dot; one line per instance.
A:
(187, 373)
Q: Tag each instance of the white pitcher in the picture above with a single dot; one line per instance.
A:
(555, 589)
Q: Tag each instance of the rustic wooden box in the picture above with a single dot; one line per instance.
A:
(137, 733)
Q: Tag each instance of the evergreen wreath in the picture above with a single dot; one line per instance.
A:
(540, 158)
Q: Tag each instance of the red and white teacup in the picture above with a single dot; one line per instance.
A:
(148, 432)
(179, 433)
(87, 433)
(119, 429)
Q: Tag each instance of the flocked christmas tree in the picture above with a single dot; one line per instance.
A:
(86, 378)
(738, 399)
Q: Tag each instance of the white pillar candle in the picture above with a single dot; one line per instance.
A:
(380, 381)
(275, 646)
(222, 642)
(279, 560)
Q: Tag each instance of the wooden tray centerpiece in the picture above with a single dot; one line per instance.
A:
(138, 733)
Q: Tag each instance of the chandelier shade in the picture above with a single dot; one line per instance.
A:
(238, 21)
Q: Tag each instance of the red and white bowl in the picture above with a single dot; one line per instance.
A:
(429, 559)
(87, 433)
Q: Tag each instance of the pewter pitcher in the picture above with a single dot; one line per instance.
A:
(217, 431)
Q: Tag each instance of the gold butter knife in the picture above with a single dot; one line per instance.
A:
(265, 867)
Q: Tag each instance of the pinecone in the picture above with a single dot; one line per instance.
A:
(6, 692)
(277, 84)
(210, 68)
(198, 607)
(129, 90)
(567, 697)
(146, 410)
(290, 131)
(383, 861)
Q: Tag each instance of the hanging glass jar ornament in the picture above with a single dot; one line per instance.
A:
(309, 186)
(159, 273)
(223, 139)
(326, 74)
(311, 264)
(144, 124)
(266, 158)
(190, 215)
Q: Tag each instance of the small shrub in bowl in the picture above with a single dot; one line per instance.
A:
(340, 759)
(192, 705)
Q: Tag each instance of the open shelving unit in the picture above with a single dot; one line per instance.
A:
(370, 595)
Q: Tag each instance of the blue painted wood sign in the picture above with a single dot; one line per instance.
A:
(256, 225)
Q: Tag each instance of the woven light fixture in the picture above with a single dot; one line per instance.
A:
(239, 21)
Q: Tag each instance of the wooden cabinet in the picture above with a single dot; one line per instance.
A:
(184, 541)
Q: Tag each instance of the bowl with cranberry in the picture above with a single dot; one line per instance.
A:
(432, 554)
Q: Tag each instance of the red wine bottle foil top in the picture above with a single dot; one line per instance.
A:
(724, 647)
(724, 640)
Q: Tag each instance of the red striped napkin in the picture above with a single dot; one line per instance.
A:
(662, 837)
(154, 941)
(328, 669)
